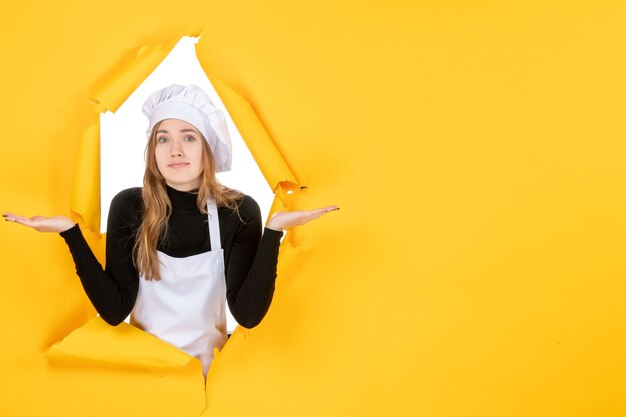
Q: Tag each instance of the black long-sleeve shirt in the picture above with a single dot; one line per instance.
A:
(250, 257)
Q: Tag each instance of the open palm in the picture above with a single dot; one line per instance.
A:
(55, 224)
(286, 219)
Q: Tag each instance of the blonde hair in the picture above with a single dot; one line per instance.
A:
(157, 207)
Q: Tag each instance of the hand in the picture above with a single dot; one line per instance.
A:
(286, 219)
(55, 224)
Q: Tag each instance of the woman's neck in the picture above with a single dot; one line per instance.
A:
(183, 200)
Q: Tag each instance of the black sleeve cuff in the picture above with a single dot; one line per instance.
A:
(71, 234)
(273, 234)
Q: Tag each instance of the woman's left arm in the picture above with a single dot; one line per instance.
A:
(251, 268)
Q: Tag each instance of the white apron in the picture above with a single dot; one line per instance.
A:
(187, 307)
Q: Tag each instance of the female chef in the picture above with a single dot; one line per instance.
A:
(183, 245)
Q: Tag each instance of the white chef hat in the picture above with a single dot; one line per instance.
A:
(192, 105)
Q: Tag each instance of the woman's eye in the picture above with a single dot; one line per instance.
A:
(189, 139)
(162, 140)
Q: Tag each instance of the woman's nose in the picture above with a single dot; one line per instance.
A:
(175, 149)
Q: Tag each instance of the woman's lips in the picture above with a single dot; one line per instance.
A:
(178, 164)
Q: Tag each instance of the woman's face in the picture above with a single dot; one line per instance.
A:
(178, 153)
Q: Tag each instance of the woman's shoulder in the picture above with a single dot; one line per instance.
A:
(248, 208)
(129, 196)
(248, 203)
(126, 203)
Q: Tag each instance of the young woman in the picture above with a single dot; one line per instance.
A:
(181, 246)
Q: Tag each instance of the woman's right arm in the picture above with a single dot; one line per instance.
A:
(112, 290)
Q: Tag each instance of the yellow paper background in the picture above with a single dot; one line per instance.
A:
(476, 149)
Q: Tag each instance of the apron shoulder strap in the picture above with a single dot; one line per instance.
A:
(214, 225)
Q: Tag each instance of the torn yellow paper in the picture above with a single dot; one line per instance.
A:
(120, 84)
(272, 164)
(85, 197)
(476, 267)
(122, 345)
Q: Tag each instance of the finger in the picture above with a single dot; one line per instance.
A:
(321, 210)
(25, 221)
(15, 217)
(314, 215)
(21, 220)
(8, 215)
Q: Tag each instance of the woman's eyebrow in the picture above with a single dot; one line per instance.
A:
(182, 131)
